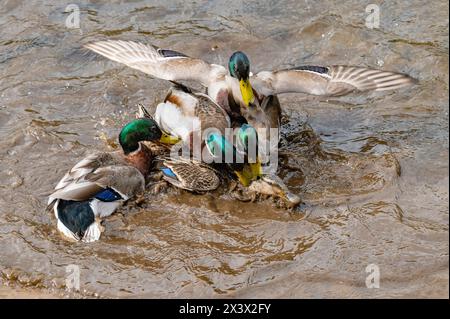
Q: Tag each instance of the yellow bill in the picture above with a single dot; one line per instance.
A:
(246, 91)
(249, 173)
(243, 178)
(256, 168)
(169, 139)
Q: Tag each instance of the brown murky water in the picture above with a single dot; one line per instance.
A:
(372, 169)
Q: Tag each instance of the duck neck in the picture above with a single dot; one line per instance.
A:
(140, 158)
(233, 85)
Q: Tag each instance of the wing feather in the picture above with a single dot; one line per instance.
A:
(94, 173)
(331, 81)
(191, 175)
(161, 63)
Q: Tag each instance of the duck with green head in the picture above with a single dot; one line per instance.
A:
(185, 114)
(239, 68)
(239, 158)
(97, 185)
(225, 153)
(248, 98)
(199, 177)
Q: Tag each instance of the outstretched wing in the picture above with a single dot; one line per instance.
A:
(164, 64)
(331, 81)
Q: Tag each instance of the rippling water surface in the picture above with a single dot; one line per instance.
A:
(372, 169)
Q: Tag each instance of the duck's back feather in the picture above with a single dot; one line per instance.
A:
(190, 175)
(184, 112)
(95, 173)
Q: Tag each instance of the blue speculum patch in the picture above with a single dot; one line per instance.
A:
(108, 195)
(168, 172)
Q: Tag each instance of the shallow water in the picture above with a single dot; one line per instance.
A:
(372, 169)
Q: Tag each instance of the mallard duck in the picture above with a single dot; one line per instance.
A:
(244, 162)
(240, 93)
(97, 185)
(193, 116)
(195, 176)
(185, 113)
(189, 174)
(198, 177)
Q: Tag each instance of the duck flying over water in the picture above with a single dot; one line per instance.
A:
(97, 185)
(240, 94)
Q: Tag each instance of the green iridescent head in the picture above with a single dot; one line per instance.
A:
(239, 67)
(247, 141)
(143, 129)
(221, 148)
